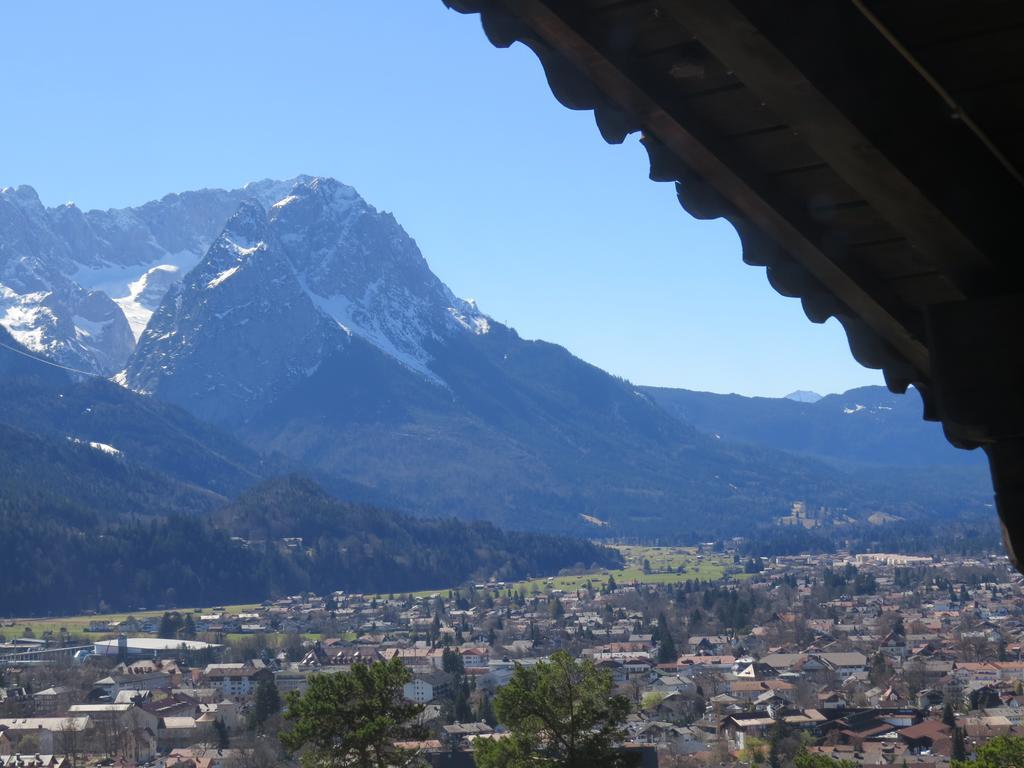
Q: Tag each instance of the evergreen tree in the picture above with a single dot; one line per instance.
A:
(353, 718)
(462, 711)
(452, 663)
(170, 623)
(221, 731)
(557, 610)
(959, 752)
(485, 713)
(948, 717)
(667, 652)
(267, 703)
(560, 712)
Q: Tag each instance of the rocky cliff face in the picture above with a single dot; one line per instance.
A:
(79, 287)
(281, 291)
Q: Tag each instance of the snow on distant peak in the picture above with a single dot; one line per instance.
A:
(225, 275)
(473, 322)
(803, 396)
(243, 246)
(332, 189)
(101, 447)
(284, 201)
(352, 318)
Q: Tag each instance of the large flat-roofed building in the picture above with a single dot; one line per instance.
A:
(152, 647)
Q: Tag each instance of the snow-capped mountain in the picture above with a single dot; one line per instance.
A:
(280, 291)
(79, 287)
(362, 270)
(308, 324)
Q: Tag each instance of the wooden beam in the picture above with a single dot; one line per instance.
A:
(734, 183)
(741, 47)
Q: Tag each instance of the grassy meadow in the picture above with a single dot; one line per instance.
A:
(667, 565)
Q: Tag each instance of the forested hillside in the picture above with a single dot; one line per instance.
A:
(85, 527)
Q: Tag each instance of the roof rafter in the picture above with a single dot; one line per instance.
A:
(723, 29)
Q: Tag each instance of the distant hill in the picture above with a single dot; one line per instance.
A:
(100, 483)
(86, 529)
(867, 425)
(45, 401)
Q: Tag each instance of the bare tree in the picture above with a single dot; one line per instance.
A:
(69, 738)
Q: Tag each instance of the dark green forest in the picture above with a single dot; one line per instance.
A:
(86, 531)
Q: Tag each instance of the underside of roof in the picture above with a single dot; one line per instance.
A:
(870, 154)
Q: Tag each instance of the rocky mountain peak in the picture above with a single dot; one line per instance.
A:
(294, 283)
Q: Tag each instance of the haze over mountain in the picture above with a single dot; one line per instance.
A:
(308, 324)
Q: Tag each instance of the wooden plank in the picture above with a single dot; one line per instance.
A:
(728, 111)
(925, 290)
(818, 186)
(890, 259)
(731, 37)
(776, 151)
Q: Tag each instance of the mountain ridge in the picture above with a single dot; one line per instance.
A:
(864, 426)
(312, 326)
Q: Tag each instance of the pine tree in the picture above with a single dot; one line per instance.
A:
(959, 748)
(667, 652)
(558, 712)
(170, 623)
(223, 738)
(353, 718)
(557, 610)
(486, 712)
(463, 712)
(267, 703)
(947, 715)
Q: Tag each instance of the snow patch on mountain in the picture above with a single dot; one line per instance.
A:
(225, 275)
(120, 281)
(25, 318)
(145, 294)
(101, 447)
(803, 396)
(344, 312)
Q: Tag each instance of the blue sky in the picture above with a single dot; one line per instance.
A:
(515, 200)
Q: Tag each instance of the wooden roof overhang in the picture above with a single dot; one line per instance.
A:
(870, 154)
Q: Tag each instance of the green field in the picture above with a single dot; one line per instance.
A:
(664, 564)
(75, 625)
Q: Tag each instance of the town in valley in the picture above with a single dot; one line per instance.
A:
(878, 659)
